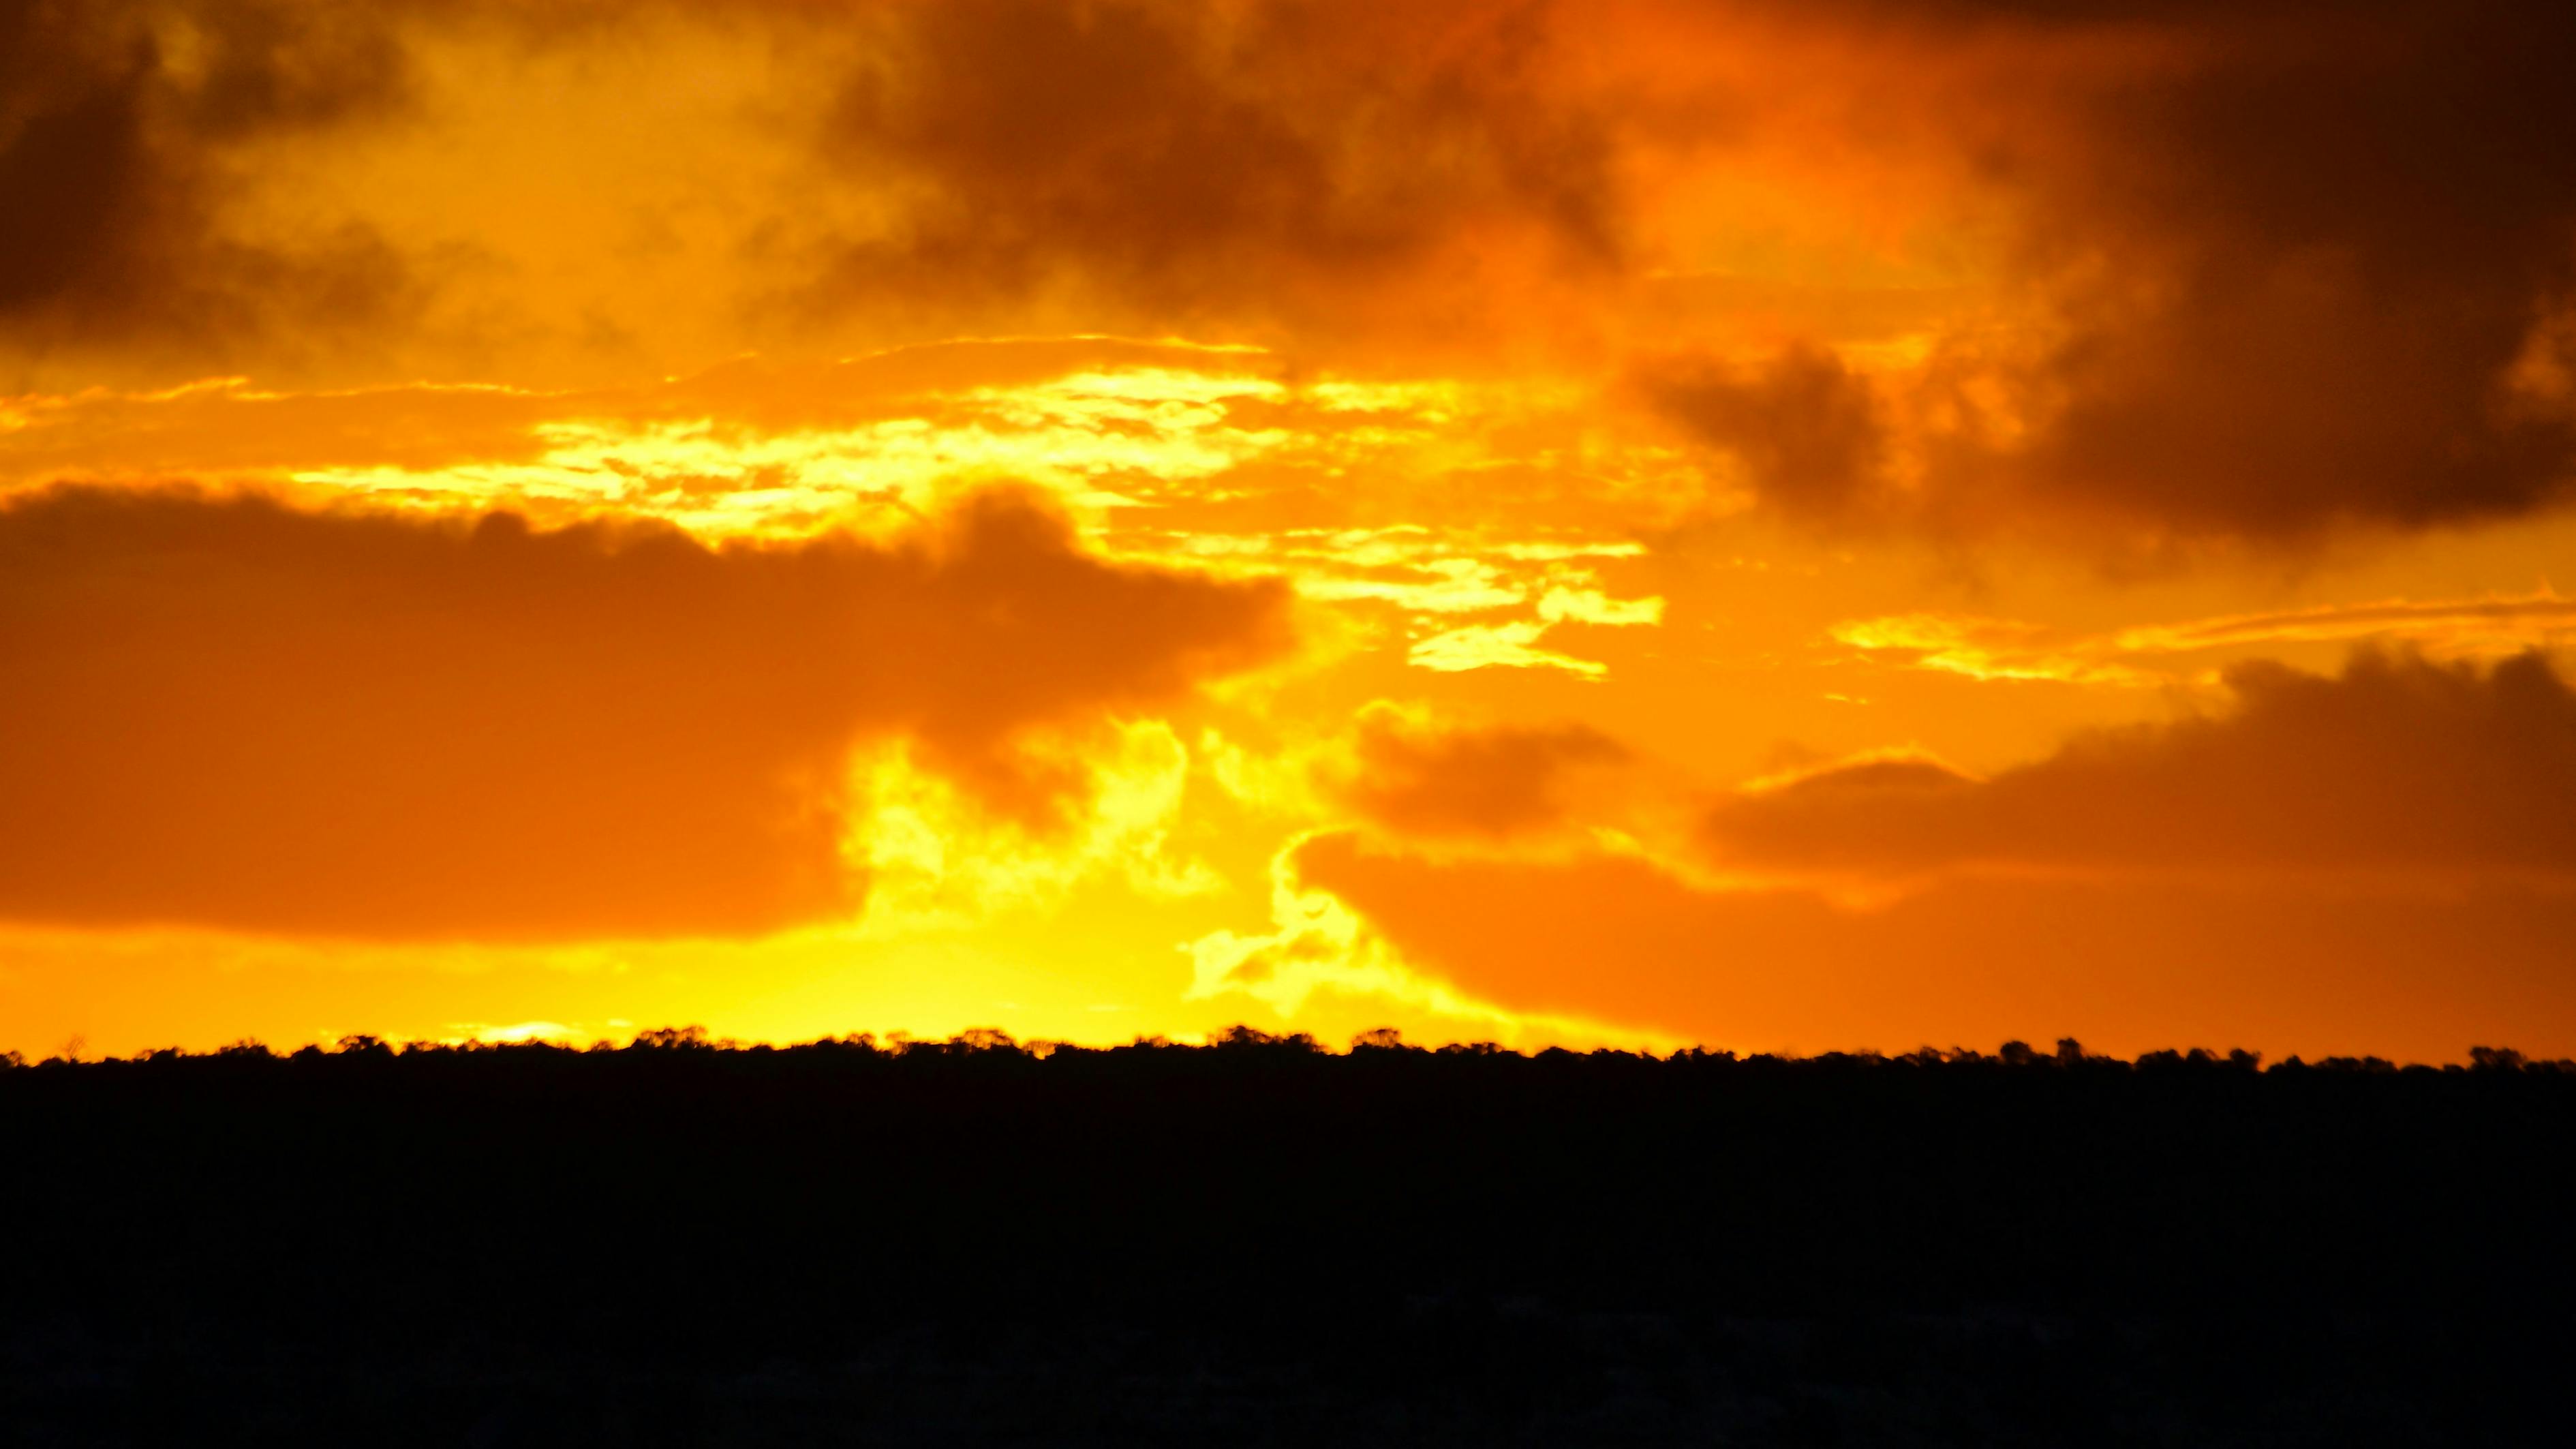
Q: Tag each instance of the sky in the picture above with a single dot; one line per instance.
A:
(1853, 524)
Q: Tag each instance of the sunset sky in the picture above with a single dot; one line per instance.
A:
(1788, 526)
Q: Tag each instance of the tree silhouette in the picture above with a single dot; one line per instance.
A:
(983, 1240)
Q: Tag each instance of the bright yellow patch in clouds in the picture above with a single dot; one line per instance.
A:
(981, 477)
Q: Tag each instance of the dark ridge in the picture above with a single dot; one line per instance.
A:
(1260, 1241)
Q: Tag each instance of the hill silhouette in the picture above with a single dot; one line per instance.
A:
(976, 1241)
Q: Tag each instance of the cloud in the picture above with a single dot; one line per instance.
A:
(1427, 778)
(1985, 649)
(938, 860)
(1321, 957)
(2248, 272)
(1497, 646)
(1301, 160)
(2127, 965)
(2398, 767)
(2018, 651)
(117, 125)
(2298, 271)
(2147, 270)
(224, 712)
(1806, 430)
(2380, 855)
(2468, 625)
(748, 446)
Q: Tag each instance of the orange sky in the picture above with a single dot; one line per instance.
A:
(1786, 526)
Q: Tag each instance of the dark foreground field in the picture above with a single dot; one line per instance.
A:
(1258, 1243)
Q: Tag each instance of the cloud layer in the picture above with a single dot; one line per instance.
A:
(2255, 271)
(2383, 855)
(224, 712)
(2176, 270)
(2125, 963)
(2398, 765)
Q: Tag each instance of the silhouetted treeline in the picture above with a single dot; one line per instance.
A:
(1237, 1044)
(1371, 1246)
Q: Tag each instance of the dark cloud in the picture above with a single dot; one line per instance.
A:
(2296, 266)
(1491, 782)
(2281, 267)
(2398, 766)
(2260, 270)
(233, 714)
(1806, 430)
(116, 127)
(1177, 162)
